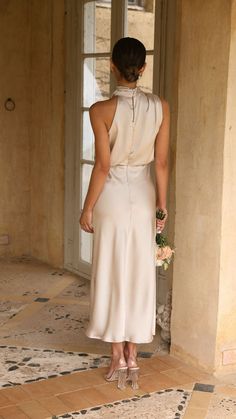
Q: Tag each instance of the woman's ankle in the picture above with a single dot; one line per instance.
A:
(132, 362)
(118, 358)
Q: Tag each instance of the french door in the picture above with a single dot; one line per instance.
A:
(92, 28)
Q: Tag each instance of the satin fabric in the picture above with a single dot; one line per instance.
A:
(123, 277)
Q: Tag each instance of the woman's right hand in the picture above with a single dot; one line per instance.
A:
(86, 221)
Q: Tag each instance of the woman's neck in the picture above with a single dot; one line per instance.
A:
(123, 83)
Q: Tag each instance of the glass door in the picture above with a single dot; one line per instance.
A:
(97, 25)
(96, 47)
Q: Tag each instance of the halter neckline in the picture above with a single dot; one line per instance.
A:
(126, 91)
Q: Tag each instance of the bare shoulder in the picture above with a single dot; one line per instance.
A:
(103, 111)
(102, 106)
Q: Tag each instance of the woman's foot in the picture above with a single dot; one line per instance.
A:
(118, 367)
(116, 363)
(130, 353)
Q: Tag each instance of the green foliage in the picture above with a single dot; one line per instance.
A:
(161, 240)
(160, 214)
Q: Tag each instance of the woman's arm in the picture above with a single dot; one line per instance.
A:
(162, 161)
(101, 166)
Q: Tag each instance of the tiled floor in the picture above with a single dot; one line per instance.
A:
(50, 369)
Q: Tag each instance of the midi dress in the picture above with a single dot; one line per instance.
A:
(123, 273)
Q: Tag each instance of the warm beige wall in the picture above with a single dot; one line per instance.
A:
(47, 131)
(14, 132)
(32, 137)
(203, 72)
(226, 331)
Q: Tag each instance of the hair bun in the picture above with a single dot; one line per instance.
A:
(131, 73)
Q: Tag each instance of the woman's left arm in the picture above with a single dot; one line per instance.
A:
(101, 167)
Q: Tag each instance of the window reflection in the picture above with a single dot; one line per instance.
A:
(96, 80)
(97, 26)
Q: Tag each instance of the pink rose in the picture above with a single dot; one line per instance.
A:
(164, 252)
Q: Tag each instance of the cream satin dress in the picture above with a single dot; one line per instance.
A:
(123, 278)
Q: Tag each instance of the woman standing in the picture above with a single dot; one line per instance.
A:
(131, 130)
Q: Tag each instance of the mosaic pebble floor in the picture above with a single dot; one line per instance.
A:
(19, 365)
(166, 404)
(221, 407)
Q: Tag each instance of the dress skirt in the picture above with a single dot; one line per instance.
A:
(123, 277)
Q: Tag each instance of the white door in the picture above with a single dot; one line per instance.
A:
(92, 27)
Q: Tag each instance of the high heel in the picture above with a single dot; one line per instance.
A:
(122, 375)
(118, 374)
(133, 377)
(133, 373)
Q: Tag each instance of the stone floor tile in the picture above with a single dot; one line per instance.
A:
(155, 382)
(152, 364)
(39, 389)
(4, 400)
(187, 386)
(200, 399)
(177, 375)
(54, 386)
(74, 400)
(194, 372)
(170, 360)
(13, 412)
(112, 390)
(54, 405)
(226, 390)
(34, 410)
(87, 378)
(15, 394)
(101, 395)
(193, 413)
(204, 387)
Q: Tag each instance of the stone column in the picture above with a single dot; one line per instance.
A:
(203, 323)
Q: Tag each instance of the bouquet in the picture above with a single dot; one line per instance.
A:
(164, 252)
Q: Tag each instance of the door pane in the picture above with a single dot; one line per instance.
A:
(97, 26)
(96, 80)
(141, 22)
(85, 238)
(86, 242)
(88, 139)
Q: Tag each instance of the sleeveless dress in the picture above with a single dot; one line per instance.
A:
(123, 276)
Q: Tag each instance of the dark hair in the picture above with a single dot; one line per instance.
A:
(129, 56)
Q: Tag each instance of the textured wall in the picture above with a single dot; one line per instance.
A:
(202, 91)
(32, 137)
(14, 132)
(47, 131)
(226, 331)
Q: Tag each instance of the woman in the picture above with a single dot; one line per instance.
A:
(131, 129)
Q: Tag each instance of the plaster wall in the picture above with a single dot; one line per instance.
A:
(202, 86)
(32, 136)
(47, 131)
(226, 330)
(14, 133)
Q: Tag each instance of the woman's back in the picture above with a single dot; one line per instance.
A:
(135, 124)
